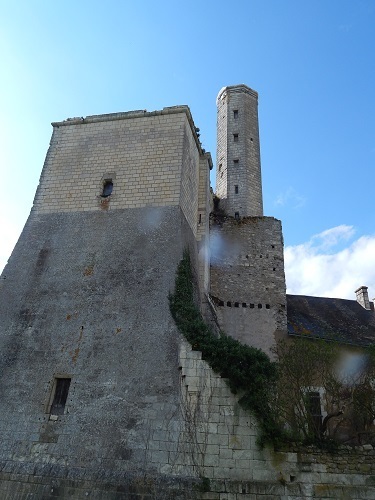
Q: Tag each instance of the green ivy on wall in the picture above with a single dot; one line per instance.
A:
(250, 373)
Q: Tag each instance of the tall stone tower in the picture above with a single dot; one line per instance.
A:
(238, 174)
(247, 262)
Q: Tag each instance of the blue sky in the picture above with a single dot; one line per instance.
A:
(311, 61)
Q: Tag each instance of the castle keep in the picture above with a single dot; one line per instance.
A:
(100, 395)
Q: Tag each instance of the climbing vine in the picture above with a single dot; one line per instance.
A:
(249, 371)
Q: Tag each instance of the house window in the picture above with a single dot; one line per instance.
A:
(107, 188)
(61, 389)
(235, 137)
(235, 114)
(236, 189)
(236, 163)
(314, 409)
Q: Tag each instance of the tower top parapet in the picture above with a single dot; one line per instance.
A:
(241, 88)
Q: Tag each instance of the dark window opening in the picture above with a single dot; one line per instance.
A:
(107, 189)
(200, 218)
(236, 304)
(237, 215)
(260, 306)
(274, 268)
(61, 395)
(267, 306)
(273, 246)
(244, 304)
(313, 407)
(220, 166)
(236, 163)
(229, 304)
(235, 137)
(235, 114)
(221, 303)
(251, 306)
(236, 189)
(251, 139)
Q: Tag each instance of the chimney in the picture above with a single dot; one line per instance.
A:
(362, 297)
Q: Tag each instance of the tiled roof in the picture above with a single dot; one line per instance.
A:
(339, 320)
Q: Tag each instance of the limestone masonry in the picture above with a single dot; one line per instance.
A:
(100, 395)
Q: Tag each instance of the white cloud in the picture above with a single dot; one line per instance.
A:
(331, 237)
(291, 198)
(313, 268)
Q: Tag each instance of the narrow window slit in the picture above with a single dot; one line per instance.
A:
(60, 396)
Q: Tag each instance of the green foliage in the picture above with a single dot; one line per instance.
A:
(205, 485)
(249, 371)
(278, 393)
(343, 380)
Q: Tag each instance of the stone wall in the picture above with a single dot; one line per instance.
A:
(247, 278)
(150, 157)
(223, 448)
(86, 296)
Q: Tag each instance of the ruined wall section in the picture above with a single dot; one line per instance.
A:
(247, 278)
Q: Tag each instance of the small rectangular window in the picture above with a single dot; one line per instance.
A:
(236, 163)
(60, 396)
(235, 137)
(236, 189)
(235, 114)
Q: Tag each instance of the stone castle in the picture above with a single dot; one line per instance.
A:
(100, 395)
